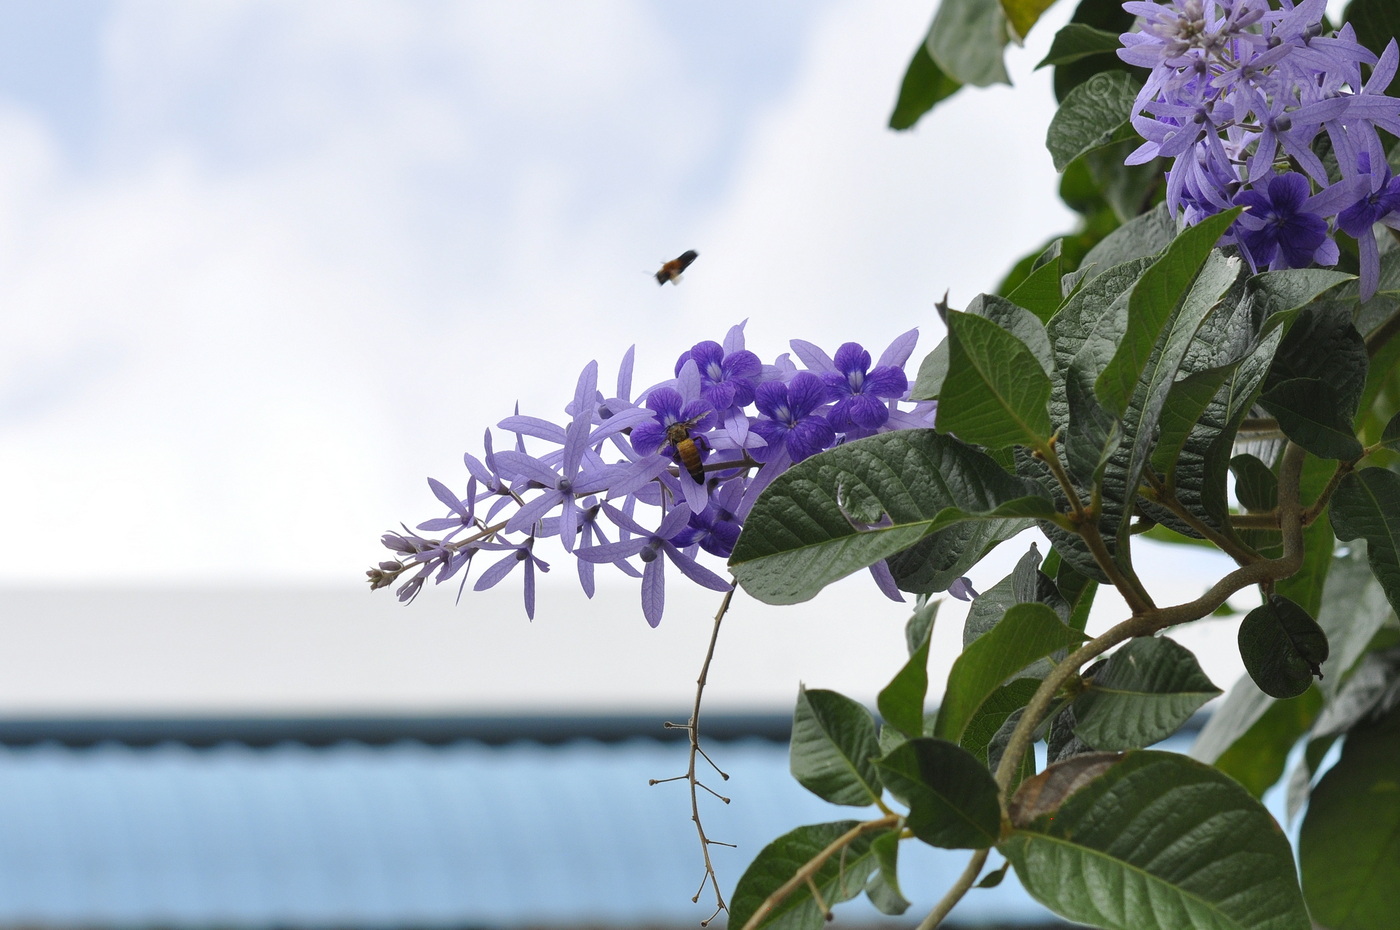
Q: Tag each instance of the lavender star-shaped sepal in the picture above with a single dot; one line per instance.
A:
(653, 547)
(858, 390)
(517, 553)
(463, 511)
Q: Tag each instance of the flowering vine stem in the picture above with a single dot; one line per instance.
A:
(1145, 623)
(692, 728)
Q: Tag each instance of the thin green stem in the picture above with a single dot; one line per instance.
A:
(955, 893)
(810, 868)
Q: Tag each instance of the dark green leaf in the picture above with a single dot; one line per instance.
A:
(1257, 759)
(1018, 321)
(952, 797)
(1076, 41)
(1040, 292)
(1352, 610)
(1027, 632)
(1141, 695)
(1023, 14)
(1155, 297)
(1255, 486)
(1092, 116)
(1390, 438)
(1349, 847)
(1323, 343)
(924, 85)
(1142, 237)
(920, 626)
(994, 712)
(1367, 504)
(1282, 647)
(797, 540)
(833, 743)
(841, 877)
(932, 371)
(901, 702)
(1152, 841)
(996, 391)
(966, 40)
(1026, 584)
(1308, 412)
(883, 887)
(993, 878)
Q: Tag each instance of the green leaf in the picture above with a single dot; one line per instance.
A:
(1323, 343)
(996, 392)
(797, 540)
(994, 711)
(1019, 322)
(833, 743)
(1308, 412)
(1040, 291)
(924, 85)
(1282, 647)
(1093, 115)
(841, 877)
(1367, 504)
(883, 887)
(966, 40)
(920, 626)
(1258, 757)
(1028, 632)
(1155, 298)
(1390, 438)
(952, 797)
(1152, 841)
(1349, 847)
(1076, 41)
(1141, 695)
(1023, 14)
(901, 702)
(932, 372)
(1352, 610)
(1140, 237)
(1255, 485)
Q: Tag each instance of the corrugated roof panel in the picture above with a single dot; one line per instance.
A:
(356, 836)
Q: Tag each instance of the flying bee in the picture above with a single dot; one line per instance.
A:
(671, 271)
(688, 449)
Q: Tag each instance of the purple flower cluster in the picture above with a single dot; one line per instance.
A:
(637, 481)
(1238, 94)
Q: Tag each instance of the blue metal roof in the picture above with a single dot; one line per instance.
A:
(351, 835)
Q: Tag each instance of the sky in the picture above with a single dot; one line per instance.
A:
(264, 267)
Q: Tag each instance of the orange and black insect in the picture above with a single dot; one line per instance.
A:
(688, 451)
(671, 271)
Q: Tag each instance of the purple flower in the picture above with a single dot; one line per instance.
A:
(1359, 220)
(716, 528)
(859, 390)
(463, 512)
(726, 380)
(1281, 228)
(791, 423)
(517, 553)
(670, 409)
(654, 547)
(962, 589)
